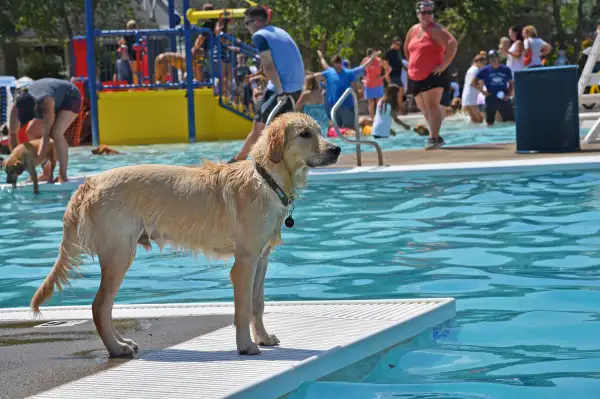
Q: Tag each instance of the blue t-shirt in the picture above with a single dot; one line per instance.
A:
(495, 79)
(338, 82)
(286, 57)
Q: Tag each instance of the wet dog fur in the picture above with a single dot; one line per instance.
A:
(221, 210)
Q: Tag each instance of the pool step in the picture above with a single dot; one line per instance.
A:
(317, 338)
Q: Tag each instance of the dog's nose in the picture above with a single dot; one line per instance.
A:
(335, 150)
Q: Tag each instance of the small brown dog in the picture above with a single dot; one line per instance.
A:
(421, 130)
(23, 158)
(105, 150)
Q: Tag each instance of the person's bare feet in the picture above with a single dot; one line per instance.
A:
(61, 179)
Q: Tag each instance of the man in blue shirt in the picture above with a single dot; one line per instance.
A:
(338, 79)
(282, 62)
(498, 81)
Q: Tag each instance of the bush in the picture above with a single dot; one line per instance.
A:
(38, 65)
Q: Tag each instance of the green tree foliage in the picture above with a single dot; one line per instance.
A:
(58, 19)
(350, 27)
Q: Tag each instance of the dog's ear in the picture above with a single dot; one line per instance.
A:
(276, 142)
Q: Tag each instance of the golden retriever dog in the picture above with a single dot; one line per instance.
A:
(23, 158)
(221, 210)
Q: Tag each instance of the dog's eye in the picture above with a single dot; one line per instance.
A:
(305, 134)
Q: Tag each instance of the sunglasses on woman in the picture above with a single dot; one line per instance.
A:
(425, 4)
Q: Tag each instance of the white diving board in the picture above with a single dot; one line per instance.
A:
(317, 339)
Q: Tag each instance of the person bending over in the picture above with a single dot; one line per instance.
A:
(51, 105)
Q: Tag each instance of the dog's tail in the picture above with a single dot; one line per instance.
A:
(69, 252)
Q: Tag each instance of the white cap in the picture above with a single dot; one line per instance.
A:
(500, 95)
(22, 82)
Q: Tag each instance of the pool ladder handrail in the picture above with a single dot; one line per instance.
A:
(279, 105)
(357, 141)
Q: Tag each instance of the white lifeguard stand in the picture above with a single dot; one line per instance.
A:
(589, 79)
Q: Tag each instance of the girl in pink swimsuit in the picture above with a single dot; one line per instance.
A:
(430, 49)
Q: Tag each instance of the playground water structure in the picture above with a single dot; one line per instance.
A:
(182, 107)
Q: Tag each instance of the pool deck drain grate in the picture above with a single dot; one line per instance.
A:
(317, 339)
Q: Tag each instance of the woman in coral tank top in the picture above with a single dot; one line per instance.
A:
(430, 49)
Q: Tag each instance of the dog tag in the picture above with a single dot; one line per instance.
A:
(289, 222)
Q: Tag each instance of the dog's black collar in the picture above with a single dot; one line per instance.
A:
(285, 200)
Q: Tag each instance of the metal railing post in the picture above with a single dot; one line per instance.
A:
(189, 75)
(280, 105)
(90, 39)
(358, 140)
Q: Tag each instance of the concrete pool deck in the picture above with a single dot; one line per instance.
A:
(34, 359)
(457, 154)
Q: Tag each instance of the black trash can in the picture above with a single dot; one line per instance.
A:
(547, 109)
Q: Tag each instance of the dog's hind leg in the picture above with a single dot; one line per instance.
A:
(258, 303)
(242, 276)
(113, 267)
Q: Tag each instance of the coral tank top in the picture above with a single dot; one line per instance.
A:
(373, 76)
(424, 55)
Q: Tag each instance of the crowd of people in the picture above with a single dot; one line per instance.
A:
(489, 82)
(414, 70)
(418, 68)
(429, 50)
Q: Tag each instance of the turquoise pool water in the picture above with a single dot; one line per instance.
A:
(519, 252)
(455, 133)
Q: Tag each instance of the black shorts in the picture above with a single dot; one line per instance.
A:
(268, 103)
(493, 104)
(397, 80)
(72, 102)
(430, 82)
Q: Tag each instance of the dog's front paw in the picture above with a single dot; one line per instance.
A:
(268, 340)
(131, 343)
(249, 348)
(123, 351)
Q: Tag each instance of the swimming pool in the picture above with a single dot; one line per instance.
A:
(519, 252)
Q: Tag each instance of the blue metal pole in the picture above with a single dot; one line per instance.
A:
(190, 74)
(91, 61)
(173, 21)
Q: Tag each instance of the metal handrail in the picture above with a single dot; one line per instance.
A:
(358, 141)
(279, 105)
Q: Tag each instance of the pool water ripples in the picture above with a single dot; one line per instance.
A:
(519, 252)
